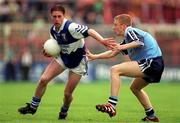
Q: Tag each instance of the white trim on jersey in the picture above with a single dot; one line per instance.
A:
(76, 30)
(61, 28)
(62, 25)
(83, 29)
(130, 36)
(68, 48)
(134, 37)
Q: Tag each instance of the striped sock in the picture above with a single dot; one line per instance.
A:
(35, 102)
(113, 101)
(150, 112)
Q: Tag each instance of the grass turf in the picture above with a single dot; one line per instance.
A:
(164, 96)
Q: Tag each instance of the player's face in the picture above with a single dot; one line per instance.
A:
(118, 28)
(57, 18)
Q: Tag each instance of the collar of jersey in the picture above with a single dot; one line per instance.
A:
(62, 26)
(127, 29)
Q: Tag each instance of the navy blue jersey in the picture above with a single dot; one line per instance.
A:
(70, 38)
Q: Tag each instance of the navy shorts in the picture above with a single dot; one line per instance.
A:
(152, 68)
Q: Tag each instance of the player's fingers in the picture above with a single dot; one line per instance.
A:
(88, 55)
(87, 51)
(45, 54)
(90, 59)
(111, 39)
(110, 47)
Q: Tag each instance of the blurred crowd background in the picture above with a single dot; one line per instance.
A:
(24, 26)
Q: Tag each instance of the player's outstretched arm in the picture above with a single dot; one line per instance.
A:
(104, 55)
(105, 41)
(120, 47)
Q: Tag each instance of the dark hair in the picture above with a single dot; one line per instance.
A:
(58, 7)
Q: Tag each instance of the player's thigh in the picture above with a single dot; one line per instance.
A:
(130, 69)
(75, 75)
(73, 80)
(52, 70)
(138, 84)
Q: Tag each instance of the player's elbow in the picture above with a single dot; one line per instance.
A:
(90, 31)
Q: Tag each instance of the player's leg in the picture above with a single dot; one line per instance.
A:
(153, 69)
(137, 88)
(130, 69)
(75, 75)
(73, 80)
(52, 70)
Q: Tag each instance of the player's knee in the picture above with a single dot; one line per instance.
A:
(134, 89)
(115, 70)
(43, 81)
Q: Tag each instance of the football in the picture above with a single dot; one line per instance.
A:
(51, 47)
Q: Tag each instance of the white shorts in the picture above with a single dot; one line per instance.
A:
(81, 69)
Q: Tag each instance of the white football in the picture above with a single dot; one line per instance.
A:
(51, 47)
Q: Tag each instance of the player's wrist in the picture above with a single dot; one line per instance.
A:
(95, 56)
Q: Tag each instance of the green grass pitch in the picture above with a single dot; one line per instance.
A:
(164, 96)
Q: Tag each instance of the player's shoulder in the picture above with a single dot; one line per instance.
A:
(73, 25)
(78, 28)
(129, 28)
(134, 29)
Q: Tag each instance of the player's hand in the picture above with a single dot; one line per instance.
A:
(117, 47)
(46, 54)
(109, 43)
(90, 56)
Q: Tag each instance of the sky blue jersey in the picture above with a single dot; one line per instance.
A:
(149, 47)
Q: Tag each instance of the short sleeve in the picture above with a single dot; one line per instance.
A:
(78, 31)
(132, 35)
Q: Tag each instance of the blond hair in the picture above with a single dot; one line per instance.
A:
(124, 19)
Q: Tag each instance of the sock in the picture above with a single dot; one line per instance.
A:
(35, 102)
(113, 101)
(63, 109)
(150, 112)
